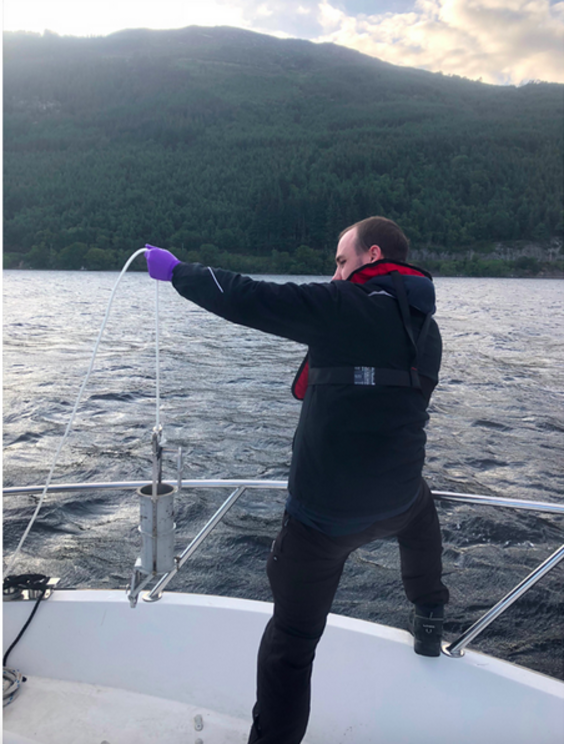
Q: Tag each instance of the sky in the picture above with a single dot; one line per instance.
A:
(497, 41)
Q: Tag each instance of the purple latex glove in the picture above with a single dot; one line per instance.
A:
(160, 263)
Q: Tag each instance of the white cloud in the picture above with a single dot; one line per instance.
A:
(297, 18)
(101, 17)
(500, 41)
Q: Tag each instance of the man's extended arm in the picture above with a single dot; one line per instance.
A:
(301, 313)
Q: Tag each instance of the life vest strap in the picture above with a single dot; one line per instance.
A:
(370, 376)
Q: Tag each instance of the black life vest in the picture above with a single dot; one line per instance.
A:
(371, 375)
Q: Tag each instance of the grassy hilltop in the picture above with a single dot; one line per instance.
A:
(253, 153)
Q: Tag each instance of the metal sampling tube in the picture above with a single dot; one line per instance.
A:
(157, 528)
(156, 525)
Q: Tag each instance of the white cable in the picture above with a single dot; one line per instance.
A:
(74, 410)
(157, 376)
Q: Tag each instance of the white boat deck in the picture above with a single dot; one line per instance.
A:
(99, 671)
(52, 710)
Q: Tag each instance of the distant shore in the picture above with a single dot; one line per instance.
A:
(521, 259)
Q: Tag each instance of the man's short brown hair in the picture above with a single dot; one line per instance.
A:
(382, 232)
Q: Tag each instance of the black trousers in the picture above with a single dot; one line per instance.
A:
(304, 569)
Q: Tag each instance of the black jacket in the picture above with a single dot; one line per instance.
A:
(358, 449)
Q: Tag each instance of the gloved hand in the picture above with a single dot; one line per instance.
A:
(160, 263)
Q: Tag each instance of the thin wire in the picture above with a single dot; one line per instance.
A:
(157, 377)
(74, 410)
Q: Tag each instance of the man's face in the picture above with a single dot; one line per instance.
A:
(347, 258)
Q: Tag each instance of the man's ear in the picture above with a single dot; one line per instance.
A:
(375, 253)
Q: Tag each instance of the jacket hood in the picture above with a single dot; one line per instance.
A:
(418, 282)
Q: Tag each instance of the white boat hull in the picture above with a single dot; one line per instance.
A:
(99, 671)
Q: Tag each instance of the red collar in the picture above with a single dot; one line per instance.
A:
(383, 267)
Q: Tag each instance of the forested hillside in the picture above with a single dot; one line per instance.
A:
(254, 152)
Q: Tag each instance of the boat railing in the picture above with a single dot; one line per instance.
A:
(239, 487)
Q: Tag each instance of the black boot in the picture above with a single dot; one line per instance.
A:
(427, 629)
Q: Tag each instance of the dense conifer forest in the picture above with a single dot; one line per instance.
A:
(253, 153)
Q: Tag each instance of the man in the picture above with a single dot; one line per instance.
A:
(373, 358)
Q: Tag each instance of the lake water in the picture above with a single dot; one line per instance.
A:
(497, 427)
